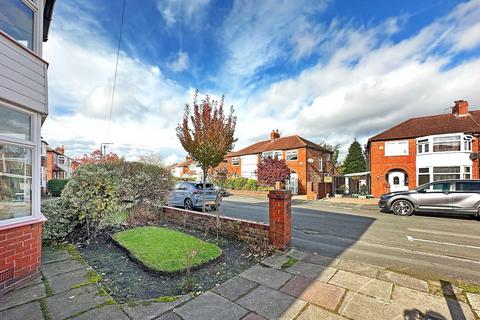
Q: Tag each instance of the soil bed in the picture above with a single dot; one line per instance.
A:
(128, 281)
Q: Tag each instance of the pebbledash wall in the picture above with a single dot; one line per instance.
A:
(20, 255)
(277, 232)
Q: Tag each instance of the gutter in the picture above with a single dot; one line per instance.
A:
(47, 17)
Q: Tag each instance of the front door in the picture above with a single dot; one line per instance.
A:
(397, 181)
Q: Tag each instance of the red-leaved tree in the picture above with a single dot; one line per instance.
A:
(97, 157)
(270, 171)
(206, 133)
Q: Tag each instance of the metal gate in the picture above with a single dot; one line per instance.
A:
(292, 183)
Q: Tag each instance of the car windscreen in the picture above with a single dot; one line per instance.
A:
(200, 186)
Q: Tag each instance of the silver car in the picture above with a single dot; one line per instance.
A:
(189, 195)
(446, 196)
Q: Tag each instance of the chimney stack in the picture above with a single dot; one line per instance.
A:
(274, 135)
(460, 109)
(60, 149)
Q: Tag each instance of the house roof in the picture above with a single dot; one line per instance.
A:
(431, 125)
(184, 163)
(282, 143)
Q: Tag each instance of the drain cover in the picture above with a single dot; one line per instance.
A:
(310, 231)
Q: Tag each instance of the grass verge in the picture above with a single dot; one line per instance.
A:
(165, 250)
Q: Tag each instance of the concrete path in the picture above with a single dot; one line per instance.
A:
(296, 285)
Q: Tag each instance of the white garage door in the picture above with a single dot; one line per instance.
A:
(249, 166)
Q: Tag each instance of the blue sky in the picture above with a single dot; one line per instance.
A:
(327, 70)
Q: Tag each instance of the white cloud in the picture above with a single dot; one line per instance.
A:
(180, 63)
(191, 12)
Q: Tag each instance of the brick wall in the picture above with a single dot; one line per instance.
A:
(280, 218)
(20, 255)
(380, 165)
(241, 229)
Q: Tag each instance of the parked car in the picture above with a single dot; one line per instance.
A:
(448, 196)
(189, 195)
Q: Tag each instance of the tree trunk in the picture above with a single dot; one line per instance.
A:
(204, 186)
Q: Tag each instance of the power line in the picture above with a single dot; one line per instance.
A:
(116, 68)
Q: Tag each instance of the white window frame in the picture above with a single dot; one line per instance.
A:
(389, 153)
(272, 154)
(320, 164)
(464, 170)
(60, 159)
(35, 145)
(37, 37)
(466, 142)
(291, 153)
(235, 161)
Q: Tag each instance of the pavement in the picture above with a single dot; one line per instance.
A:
(295, 285)
(435, 246)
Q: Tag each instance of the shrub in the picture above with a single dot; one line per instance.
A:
(251, 184)
(55, 186)
(239, 183)
(60, 223)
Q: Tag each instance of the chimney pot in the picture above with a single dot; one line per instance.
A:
(460, 108)
(274, 135)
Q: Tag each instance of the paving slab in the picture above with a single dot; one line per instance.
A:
(313, 271)
(361, 307)
(210, 306)
(272, 304)
(56, 268)
(23, 295)
(362, 284)
(442, 307)
(298, 254)
(29, 311)
(50, 255)
(315, 313)
(150, 310)
(276, 261)
(270, 277)
(170, 316)
(253, 316)
(69, 303)
(108, 312)
(316, 292)
(66, 281)
(359, 268)
(474, 300)
(235, 288)
(403, 280)
(321, 260)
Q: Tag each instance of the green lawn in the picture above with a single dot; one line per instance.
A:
(165, 250)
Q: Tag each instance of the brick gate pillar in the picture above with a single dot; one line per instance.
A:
(280, 217)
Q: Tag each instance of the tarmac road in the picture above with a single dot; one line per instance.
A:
(427, 245)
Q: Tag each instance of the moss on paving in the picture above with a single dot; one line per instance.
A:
(48, 289)
(291, 261)
(72, 251)
(166, 299)
(165, 250)
(92, 278)
(44, 308)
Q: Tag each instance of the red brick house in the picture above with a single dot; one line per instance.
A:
(425, 149)
(23, 109)
(308, 161)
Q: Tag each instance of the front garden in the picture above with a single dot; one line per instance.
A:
(111, 213)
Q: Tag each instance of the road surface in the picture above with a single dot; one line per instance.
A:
(431, 246)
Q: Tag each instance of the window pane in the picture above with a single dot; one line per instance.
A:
(446, 146)
(441, 186)
(423, 170)
(423, 178)
(467, 186)
(14, 124)
(437, 177)
(15, 182)
(446, 170)
(16, 19)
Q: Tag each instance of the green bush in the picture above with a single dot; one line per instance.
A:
(239, 183)
(251, 184)
(55, 186)
(60, 222)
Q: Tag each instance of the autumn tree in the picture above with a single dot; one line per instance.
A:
(271, 170)
(98, 157)
(207, 133)
(335, 151)
(355, 160)
(151, 158)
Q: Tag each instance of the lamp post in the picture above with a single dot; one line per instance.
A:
(103, 147)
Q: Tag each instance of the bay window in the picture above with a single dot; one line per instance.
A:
(17, 159)
(17, 19)
(446, 143)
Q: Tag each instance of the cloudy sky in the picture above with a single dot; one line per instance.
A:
(326, 70)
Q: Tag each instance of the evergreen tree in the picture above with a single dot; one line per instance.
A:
(355, 160)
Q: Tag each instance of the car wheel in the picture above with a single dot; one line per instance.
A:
(402, 208)
(188, 204)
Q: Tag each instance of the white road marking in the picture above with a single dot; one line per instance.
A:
(445, 233)
(412, 239)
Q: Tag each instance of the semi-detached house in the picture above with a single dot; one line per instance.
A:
(425, 149)
(307, 161)
(24, 27)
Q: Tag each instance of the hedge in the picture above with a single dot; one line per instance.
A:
(55, 186)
